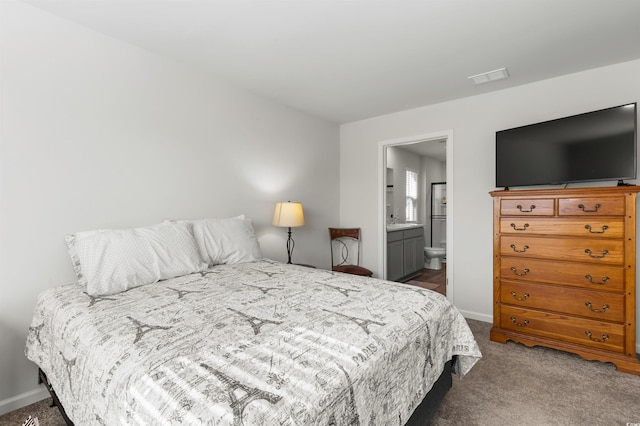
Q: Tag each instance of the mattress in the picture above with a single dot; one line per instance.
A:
(259, 343)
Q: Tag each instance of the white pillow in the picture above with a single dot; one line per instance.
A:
(113, 261)
(226, 241)
(73, 253)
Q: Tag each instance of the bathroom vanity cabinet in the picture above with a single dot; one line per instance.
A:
(405, 253)
(564, 270)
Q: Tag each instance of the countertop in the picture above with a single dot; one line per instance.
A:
(403, 226)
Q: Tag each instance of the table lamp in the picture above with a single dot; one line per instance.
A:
(288, 215)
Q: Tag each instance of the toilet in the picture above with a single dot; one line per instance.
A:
(434, 256)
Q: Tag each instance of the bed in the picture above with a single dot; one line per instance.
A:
(250, 343)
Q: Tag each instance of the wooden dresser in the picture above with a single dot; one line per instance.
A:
(564, 270)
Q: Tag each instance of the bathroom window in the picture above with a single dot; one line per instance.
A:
(411, 191)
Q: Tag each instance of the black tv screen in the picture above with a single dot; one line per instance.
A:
(595, 146)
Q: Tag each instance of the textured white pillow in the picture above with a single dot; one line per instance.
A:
(227, 241)
(73, 253)
(113, 261)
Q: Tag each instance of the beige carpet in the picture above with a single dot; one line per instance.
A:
(516, 385)
(512, 385)
(47, 416)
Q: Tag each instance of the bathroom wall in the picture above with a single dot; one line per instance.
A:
(400, 160)
(429, 170)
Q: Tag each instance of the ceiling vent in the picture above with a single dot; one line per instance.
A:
(487, 77)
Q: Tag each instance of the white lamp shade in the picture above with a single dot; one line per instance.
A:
(288, 215)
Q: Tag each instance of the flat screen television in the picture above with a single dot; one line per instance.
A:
(595, 146)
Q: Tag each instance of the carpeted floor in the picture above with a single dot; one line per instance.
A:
(47, 416)
(511, 385)
(516, 385)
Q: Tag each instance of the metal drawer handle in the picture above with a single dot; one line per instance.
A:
(588, 228)
(513, 246)
(595, 339)
(524, 228)
(596, 256)
(581, 206)
(526, 211)
(524, 272)
(524, 296)
(519, 324)
(604, 279)
(604, 308)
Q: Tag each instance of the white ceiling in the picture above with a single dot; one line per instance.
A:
(436, 149)
(346, 60)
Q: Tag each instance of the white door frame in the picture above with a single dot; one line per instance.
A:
(382, 199)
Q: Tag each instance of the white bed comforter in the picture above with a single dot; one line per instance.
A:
(260, 343)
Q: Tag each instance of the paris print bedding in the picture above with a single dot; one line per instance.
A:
(259, 343)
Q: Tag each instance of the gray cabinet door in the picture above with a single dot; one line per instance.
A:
(409, 256)
(413, 255)
(419, 253)
(395, 267)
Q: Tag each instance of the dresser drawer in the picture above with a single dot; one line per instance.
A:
(524, 207)
(601, 250)
(587, 303)
(587, 332)
(604, 206)
(593, 227)
(584, 275)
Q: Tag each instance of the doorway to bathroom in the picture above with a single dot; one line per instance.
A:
(416, 177)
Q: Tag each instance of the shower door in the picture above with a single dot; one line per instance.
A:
(438, 215)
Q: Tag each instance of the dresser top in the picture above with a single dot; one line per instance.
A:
(559, 192)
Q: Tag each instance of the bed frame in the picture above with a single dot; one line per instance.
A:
(42, 378)
(428, 408)
(421, 416)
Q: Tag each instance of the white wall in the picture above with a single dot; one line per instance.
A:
(97, 133)
(474, 122)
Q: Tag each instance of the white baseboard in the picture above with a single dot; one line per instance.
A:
(24, 399)
(477, 316)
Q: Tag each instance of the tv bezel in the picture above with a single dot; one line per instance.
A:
(619, 179)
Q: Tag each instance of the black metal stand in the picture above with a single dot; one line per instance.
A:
(290, 245)
(42, 378)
